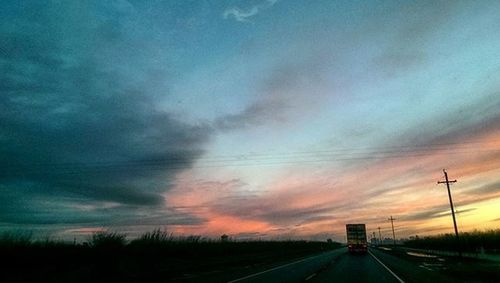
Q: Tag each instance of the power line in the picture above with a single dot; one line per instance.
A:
(168, 165)
(176, 163)
(253, 156)
(342, 151)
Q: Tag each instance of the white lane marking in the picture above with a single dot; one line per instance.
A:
(393, 274)
(310, 276)
(277, 267)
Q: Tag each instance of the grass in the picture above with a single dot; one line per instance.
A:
(16, 238)
(109, 256)
(474, 241)
(107, 240)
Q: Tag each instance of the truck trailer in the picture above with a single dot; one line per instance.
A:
(356, 238)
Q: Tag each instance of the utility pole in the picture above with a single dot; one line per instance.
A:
(447, 182)
(393, 235)
(379, 235)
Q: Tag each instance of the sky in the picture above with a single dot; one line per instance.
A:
(265, 119)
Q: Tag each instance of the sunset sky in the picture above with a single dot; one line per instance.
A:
(258, 119)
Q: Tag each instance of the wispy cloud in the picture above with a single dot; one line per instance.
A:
(438, 211)
(288, 87)
(242, 15)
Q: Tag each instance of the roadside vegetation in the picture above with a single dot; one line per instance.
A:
(475, 241)
(157, 254)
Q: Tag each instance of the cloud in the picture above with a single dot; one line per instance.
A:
(418, 24)
(435, 212)
(80, 123)
(305, 204)
(290, 205)
(289, 88)
(491, 188)
(456, 127)
(258, 113)
(243, 15)
(378, 187)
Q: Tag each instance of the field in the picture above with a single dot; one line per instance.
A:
(475, 241)
(108, 256)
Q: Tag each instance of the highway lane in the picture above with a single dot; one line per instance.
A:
(380, 265)
(292, 272)
(354, 268)
(377, 266)
(335, 266)
(420, 267)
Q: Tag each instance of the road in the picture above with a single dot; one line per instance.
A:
(293, 272)
(379, 265)
(354, 268)
(337, 265)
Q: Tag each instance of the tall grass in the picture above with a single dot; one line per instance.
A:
(168, 244)
(106, 239)
(16, 238)
(108, 256)
(474, 241)
(154, 238)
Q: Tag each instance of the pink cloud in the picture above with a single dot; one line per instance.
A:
(305, 203)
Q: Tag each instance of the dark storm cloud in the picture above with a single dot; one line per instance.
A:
(78, 113)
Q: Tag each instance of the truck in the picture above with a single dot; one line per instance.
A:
(356, 238)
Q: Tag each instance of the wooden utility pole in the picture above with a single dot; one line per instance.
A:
(393, 235)
(379, 235)
(447, 182)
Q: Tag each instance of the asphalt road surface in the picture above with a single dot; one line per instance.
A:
(379, 265)
(354, 268)
(292, 272)
(335, 266)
